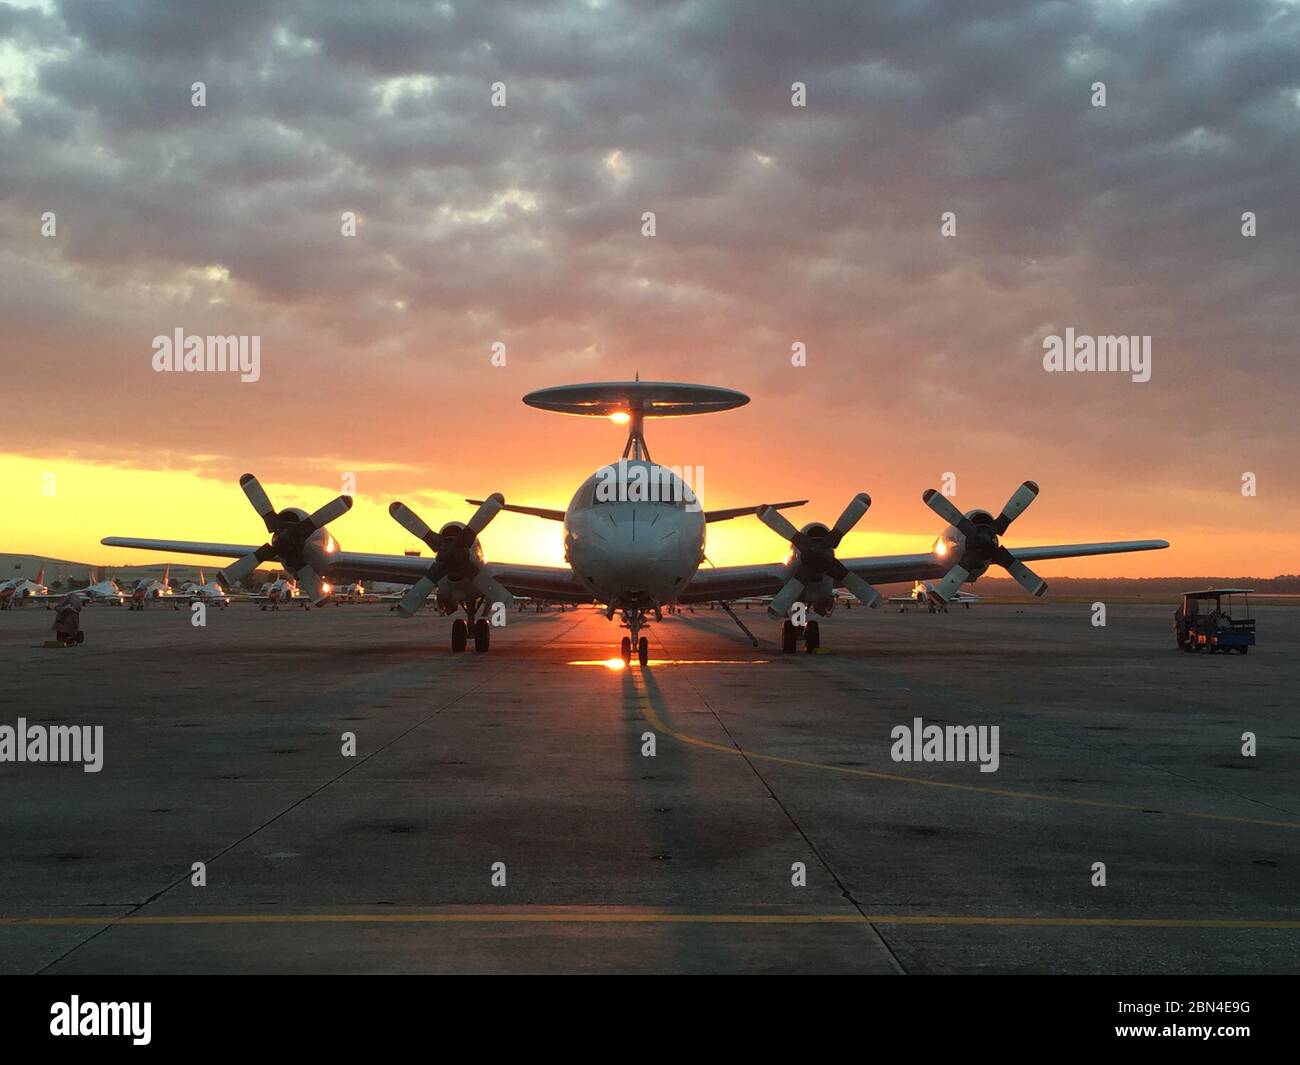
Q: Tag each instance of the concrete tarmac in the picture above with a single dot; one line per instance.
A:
(223, 745)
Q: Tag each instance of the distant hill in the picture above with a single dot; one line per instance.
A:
(1137, 589)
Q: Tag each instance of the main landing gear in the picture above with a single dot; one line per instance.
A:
(462, 627)
(791, 634)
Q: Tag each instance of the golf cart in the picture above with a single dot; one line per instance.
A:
(1217, 619)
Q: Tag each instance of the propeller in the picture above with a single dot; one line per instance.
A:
(453, 554)
(816, 556)
(289, 531)
(981, 541)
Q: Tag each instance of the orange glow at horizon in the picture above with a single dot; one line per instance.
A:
(60, 507)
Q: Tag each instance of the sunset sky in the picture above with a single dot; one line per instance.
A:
(775, 224)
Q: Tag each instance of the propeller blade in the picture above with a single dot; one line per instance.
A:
(866, 594)
(1025, 577)
(415, 596)
(310, 583)
(780, 606)
(1016, 505)
(858, 506)
(777, 522)
(333, 509)
(490, 509)
(261, 502)
(492, 590)
(952, 581)
(942, 505)
(412, 523)
(237, 571)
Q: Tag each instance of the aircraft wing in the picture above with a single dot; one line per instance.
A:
(1117, 547)
(736, 582)
(729, 583)
(709, 515)
(556, 583)
(186, 547)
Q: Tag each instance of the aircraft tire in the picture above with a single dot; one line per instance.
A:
(459, 635)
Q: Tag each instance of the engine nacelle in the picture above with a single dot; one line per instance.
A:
(951, 546)
(453, 529)
(320, 549)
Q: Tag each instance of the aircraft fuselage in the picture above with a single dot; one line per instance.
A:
(634, 535)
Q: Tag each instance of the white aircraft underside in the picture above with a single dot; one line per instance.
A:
(636, 555)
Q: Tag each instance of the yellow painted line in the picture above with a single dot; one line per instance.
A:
(583, 917)
(660, 725)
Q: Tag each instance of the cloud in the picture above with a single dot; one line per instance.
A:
(774, 223)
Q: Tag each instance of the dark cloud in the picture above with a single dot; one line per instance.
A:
(775, 224)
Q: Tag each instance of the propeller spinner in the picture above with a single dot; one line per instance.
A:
(290, 530)
(453, 554)
(816, 556)
(981, 546)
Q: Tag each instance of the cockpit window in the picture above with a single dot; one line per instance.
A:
(602, 497)
(627, 482)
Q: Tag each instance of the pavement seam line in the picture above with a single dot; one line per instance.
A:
(825, 864)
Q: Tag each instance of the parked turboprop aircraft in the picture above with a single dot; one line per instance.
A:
(634, 539)
(204, 591)
(106, 591)
(18, 590)
(280, 590)
(349, 592)
(147, 591)
(924, 594)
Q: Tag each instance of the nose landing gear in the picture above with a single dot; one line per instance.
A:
(635, 620)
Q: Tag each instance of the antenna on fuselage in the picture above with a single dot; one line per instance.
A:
(634, 401)
(636, 439)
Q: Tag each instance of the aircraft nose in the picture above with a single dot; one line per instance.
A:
(619, 551)
(630, 556)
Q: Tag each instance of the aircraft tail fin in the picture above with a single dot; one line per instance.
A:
(40, 574)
